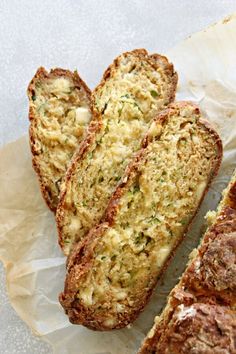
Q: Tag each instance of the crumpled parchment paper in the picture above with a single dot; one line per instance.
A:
(35, 266)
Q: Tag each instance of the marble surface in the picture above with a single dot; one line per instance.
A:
(86, 35)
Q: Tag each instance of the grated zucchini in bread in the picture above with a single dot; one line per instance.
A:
(134, 88)
(112, 273)
(59, 113)
(200, 316)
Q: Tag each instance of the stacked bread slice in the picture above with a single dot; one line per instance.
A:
(59, 112)
(113, 271)
(200, 315)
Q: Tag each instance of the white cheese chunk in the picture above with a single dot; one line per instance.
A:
(83, 115)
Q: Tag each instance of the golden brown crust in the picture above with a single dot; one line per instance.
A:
(213, 273)
(199, 328)
(81, 258)
(209, 286)
(96, 124)
(42, 75)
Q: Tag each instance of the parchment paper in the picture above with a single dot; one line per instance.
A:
(35, 266)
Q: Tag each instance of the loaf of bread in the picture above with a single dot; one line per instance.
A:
(59, 113)
(134, 88)
(200, 315)
(113, 271)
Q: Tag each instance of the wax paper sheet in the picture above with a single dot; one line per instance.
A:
(35, 266)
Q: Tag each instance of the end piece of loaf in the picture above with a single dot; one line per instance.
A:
(133, 90)
(112, 273)
(59, 113)
(200, 315)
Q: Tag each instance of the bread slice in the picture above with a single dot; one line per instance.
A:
(134, 88)
(112, 273)
(200, 315)
(59, 113)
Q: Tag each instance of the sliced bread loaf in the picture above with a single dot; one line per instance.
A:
(134, 88)
(200, 315)
(113, 271)
(59, 113)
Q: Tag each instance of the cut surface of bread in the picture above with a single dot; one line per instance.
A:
(112, 273)
(200, 315)
(59, 113)
(134, 88)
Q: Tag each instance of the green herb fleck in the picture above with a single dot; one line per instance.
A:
(121, 109)
(183, 222)
(154, 93)
(101, 179)
(125, 96)
(129, 204)
(136, 105)
(90, 155)
(99, 141)
(34, 97)
(84, 203)
(104, 108)
(156, 220)
(139, 238)
(107, 128)
(136, 189)
(103, 257)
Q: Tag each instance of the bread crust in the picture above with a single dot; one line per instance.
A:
(42, 74)
(81, 257)
(200, 328)
(209, 283)
(95, 126)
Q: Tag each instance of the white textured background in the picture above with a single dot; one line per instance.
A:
(86, 35)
